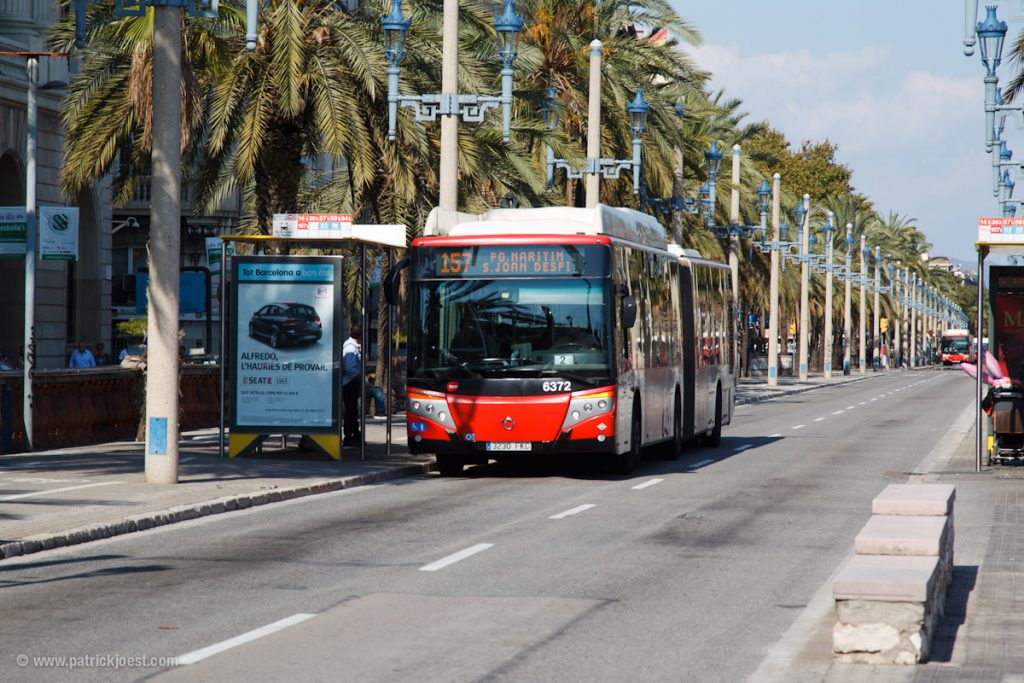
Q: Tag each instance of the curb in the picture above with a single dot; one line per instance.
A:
(182, 513)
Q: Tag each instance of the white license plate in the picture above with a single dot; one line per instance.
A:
(509, 446)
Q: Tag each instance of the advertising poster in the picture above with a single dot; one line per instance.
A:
(58, 233)
(287, 355)
(215, 248)
(1008, 310)
(12, 231)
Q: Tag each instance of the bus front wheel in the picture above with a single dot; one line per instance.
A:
(624, 463)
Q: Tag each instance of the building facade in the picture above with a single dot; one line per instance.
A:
(72, 299)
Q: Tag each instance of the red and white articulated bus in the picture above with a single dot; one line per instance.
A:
(956, 347)
(563, 330)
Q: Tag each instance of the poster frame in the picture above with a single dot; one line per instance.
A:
(237, 262)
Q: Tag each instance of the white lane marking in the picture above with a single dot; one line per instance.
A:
(743, 447)
(849, 407)
(798, 427)
(839, 412)
(651, 482)
(200, 655)
(818, 419)
(862, 403)
(874, 399)
(456, 557)
(702, 463)
(575, 511)
(188, 459)
(775, 436)
(61, 490)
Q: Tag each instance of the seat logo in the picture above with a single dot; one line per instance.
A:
(508, 423)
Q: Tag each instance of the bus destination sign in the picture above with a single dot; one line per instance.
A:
(511, 261)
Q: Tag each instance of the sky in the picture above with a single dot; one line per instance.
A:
(886, 81)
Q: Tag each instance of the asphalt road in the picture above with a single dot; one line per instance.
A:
(688, 570)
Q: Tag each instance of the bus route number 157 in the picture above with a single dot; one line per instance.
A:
(557, 385)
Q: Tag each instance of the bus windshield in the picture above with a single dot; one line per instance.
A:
(483, 329)
(955, 344)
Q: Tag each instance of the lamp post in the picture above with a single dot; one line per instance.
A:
(734, 238)
(597, 167)
(876, 329)
(713, 158)
(847, 303)
(32, 123)
(449, 104)
(803, 212)
(863, 280)
(894, 298)
(773, 313)
(828, 230)
(913, 319)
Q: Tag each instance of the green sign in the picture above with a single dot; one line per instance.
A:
(12, 231)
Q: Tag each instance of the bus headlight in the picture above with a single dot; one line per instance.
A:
(582, 407)
(431, 407)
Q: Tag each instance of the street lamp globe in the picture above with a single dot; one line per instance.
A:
(800, 212)
(764, 194)
(991, 35)
(714, 159)
(638, 109)
(395, 27)
(509, 25)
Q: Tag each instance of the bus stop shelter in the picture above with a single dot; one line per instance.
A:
(995, 236)
(328, 234)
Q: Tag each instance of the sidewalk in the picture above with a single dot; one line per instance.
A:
(70, 496)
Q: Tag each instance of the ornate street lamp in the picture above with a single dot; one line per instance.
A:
(991, 35)
(471, 108)
(605, 168)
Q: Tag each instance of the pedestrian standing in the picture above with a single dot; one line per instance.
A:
(351, 381)
(82, 358)
(102, 357)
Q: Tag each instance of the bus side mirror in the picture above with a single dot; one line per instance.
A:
(627, 313)
(392, 282)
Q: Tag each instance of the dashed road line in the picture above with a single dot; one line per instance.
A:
(199, 655)
(839, 412)
(456, 557)
(798, 427)
(818, 419)
(743, 447)
(574, 511)
(646, 484)
(702, 463)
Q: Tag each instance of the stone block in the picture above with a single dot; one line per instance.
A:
(875, 637)
(903, 535)
(12, 549)
(915, 500)
(891, 578)
(900, 615)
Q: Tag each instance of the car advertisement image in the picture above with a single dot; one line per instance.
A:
(286, 356)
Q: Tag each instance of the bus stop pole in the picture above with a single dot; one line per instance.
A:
(362, 356)
(220, 344)
(981, 361)
(387, 357)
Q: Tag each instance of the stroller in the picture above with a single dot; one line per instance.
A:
(1005, 405)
